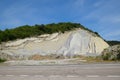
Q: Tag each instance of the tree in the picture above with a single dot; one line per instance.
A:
(29, 31)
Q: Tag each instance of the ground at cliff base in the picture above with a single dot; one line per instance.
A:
(73, 61)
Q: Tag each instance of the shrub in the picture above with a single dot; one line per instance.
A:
(111, 56)
(2, 60)
(29, 31)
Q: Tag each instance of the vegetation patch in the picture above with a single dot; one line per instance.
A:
(30, 31)
(111, 56)
(111, 53)
(46, 57)
(2, 60)
(111, 43)
(99, 59)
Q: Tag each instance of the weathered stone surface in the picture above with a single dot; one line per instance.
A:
(68, 44)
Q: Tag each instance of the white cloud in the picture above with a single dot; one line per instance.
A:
(13, 14)
(99, 3)
(112, 33)
(79, 3)
(107, 18)
(110, 19)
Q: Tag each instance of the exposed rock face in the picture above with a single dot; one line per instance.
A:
(76, 42)
(83, 43)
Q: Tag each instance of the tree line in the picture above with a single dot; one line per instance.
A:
(30, 31)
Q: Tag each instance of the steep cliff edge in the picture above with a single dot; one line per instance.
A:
(82, 42)
(68, 44)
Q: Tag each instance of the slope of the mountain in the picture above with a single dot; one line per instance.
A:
(82, 42)
(68, 44)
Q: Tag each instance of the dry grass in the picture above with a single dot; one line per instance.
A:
(47, 57)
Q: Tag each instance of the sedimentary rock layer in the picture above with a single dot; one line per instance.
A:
(68, 44)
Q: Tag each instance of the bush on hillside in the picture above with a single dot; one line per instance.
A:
(111, 53)
(2, 60)
(29, 31)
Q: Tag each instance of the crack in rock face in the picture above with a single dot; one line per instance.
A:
(83, 43)
(68, 44)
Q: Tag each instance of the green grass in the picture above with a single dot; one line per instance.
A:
(2, 60)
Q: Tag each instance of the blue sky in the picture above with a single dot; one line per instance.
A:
(102, 16)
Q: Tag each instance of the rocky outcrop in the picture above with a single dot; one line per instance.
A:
(83, 43)
(68, 44)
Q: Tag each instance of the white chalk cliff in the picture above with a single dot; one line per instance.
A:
(68, 44)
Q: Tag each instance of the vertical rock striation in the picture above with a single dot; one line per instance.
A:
(82, 42)
(68, 44)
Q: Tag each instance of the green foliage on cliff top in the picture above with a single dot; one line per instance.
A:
(111, 43)
(29, 31)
